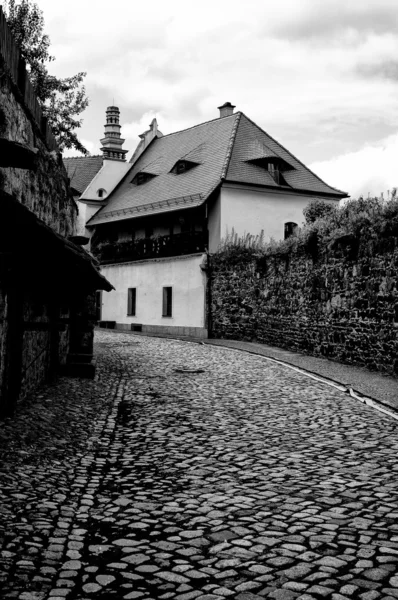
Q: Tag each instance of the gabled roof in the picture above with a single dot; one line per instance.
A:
(81, 170)
(106, 179)
(251, 143)
(222, 148)
(208, 143)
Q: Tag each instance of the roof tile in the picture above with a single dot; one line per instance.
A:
(222, 148)
(81, 170)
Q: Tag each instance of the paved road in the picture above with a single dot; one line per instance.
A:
(244, 480)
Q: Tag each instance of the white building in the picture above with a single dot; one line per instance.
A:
(176, 199)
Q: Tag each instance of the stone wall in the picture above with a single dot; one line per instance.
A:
(341, 305)
(44, 191)
(46, 283)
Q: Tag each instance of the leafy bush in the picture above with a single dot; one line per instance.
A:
(317, 209)
(362, 223)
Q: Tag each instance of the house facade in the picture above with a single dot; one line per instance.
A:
(179, 196)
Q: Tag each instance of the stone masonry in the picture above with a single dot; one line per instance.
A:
(338, 306)
(186, 471)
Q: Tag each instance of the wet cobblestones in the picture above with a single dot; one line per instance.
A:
(245, 480)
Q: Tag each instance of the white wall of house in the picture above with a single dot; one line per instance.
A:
(249, 210)
(182, 273)
(214, 223)
(86, 211)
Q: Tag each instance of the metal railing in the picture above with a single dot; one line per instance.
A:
(162, 246)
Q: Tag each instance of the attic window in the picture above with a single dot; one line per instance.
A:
(101, 193)
(182, 166)
(142, 178)
(275, 167)
(275, 173)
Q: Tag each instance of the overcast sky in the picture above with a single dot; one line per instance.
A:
(321, 76)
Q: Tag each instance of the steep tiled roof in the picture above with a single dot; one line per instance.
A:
(222, 148)
(81, 170)
(250, 143)
(206, 144)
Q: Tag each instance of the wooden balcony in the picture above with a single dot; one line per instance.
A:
(157, 247)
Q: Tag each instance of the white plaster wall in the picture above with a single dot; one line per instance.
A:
(86, 211)
(214, 223)
(249, 211)
(183, 274)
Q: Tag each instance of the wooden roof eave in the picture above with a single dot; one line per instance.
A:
(43, 241)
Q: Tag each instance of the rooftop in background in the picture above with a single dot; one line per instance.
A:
(219, 150)
(82, 170)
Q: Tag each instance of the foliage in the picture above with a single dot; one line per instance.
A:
(62, 100)
(248, 241)
(317, 209)
(361, 224)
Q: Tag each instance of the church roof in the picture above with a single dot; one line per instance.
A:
(81, 170)
(218, 150)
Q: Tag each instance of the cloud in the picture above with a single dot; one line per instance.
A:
(318, 75)
(91, 148)
(383, 70)
(370, 170)
(337, 19)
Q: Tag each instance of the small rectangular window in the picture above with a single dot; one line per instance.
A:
(167, 301)
(131, 301)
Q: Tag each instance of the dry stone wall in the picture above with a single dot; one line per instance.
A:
(336, 306)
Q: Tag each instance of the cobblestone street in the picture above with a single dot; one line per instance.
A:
(197, 472)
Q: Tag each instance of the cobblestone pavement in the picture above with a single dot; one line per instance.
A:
(244, 479)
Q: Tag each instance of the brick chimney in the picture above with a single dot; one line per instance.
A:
(226, 110)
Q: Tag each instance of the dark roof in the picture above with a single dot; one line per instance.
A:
(45, 254)
(81, 170)
(222, 149)
(252, 143)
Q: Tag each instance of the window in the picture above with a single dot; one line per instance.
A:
(275, 167)
(167, 301)
(274, 172)
(131, 301)
(291, 229)
(101, 193)
(182, 166)
(142, 178)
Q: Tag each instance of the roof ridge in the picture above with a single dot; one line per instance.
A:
(199, 125)
(82, 157)
(295, 158)
(231, 145)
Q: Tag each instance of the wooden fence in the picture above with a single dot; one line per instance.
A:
(16, 66)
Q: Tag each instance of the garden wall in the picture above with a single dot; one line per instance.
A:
(339, 304)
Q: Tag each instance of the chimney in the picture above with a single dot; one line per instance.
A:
(226, 110)
(112, 142)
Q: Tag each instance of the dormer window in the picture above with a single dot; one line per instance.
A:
(275, 166)
(276, 174)
(142, 178)
(182, 166)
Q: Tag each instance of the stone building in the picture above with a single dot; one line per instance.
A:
(47, 281)
(178, 197)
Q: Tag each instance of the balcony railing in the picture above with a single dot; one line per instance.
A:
(162, 246)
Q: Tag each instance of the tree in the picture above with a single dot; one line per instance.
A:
(62, 100)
